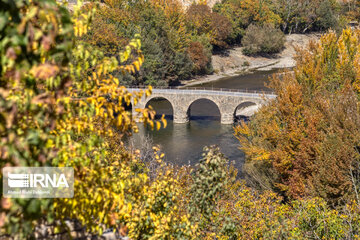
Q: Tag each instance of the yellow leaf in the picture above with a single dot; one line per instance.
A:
(137, 65)
(164, 122)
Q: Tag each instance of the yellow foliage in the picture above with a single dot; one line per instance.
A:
(289, 139)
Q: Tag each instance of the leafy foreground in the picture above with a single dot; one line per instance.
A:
(61, 106)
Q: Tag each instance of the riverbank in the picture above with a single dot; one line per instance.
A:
(233, 62)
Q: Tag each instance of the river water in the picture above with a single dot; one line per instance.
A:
(183, 143)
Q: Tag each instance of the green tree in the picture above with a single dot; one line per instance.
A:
(163, 33)
(208, 185)
(304, 15)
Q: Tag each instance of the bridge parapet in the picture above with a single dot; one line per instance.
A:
(216, 91)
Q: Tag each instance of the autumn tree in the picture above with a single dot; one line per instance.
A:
(307, 15)
(203, 21)
(163, 31)
(104, 33)
(200, 57)
(305, 143)
(351, 8)
(57, 112)
(261, 11)
(241, 14)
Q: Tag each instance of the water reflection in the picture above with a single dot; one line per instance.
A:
(183, 143)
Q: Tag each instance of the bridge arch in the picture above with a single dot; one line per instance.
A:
(161, 105)
(203, 108)
(245, 110)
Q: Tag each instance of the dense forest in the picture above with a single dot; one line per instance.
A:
(62, 103)
(178, 42)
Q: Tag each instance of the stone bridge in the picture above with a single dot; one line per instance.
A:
(229, 102)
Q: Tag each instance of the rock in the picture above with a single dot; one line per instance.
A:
(109, 236)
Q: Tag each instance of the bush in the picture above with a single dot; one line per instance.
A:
(246, 64)
(262, 40)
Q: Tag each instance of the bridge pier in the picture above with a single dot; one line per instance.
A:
(180, 119)
(180, 115)
(227, 118)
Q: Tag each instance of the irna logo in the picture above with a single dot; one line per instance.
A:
(35, 180)
(38, 182)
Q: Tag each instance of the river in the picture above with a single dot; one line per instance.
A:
(183, 143)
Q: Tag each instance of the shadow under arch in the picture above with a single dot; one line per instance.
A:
(202, 109)
(161, 106)
(127, 107)
(245, 110)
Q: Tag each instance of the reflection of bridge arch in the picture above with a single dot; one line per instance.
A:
(203, 113)
(227, 101)
(161, 105)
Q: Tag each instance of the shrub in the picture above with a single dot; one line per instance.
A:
(246, 64)
(262, 40)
